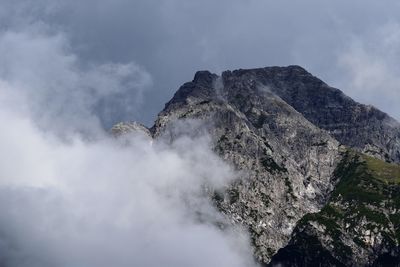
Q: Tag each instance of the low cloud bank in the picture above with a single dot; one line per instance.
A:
(71, 195)
(107, 203)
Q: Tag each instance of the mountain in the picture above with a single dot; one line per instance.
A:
(319, 170)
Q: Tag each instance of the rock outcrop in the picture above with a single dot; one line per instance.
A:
(123, 128)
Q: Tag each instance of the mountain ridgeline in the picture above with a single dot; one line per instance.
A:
(320, 181)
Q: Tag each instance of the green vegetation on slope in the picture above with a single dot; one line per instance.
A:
(386, 172)
(365, 179)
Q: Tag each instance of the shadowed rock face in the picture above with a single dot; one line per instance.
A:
(283, 129)
(355, 125)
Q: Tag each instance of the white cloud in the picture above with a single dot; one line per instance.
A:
(110, 202)
(70, 195)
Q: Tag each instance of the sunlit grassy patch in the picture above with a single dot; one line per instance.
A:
(387, 172)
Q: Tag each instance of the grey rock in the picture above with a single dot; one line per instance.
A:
(353, 124)
(124, 128)
(360, 224)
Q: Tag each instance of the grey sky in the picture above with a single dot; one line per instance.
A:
(173, 39)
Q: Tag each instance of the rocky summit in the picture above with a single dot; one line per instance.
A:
(320, 183)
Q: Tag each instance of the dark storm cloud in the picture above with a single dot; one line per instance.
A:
(173, 39)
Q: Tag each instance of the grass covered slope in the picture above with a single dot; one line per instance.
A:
(388, 173)
(360, 225)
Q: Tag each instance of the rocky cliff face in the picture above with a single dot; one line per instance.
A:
(284, 129)
(360, 224)
(362, 127)
(286, 160)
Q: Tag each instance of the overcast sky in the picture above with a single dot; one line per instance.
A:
(353, 45)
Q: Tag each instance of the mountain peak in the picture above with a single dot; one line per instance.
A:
(204, 78)
(353, 124)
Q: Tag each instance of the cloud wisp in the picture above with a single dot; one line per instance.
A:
(371, 70)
